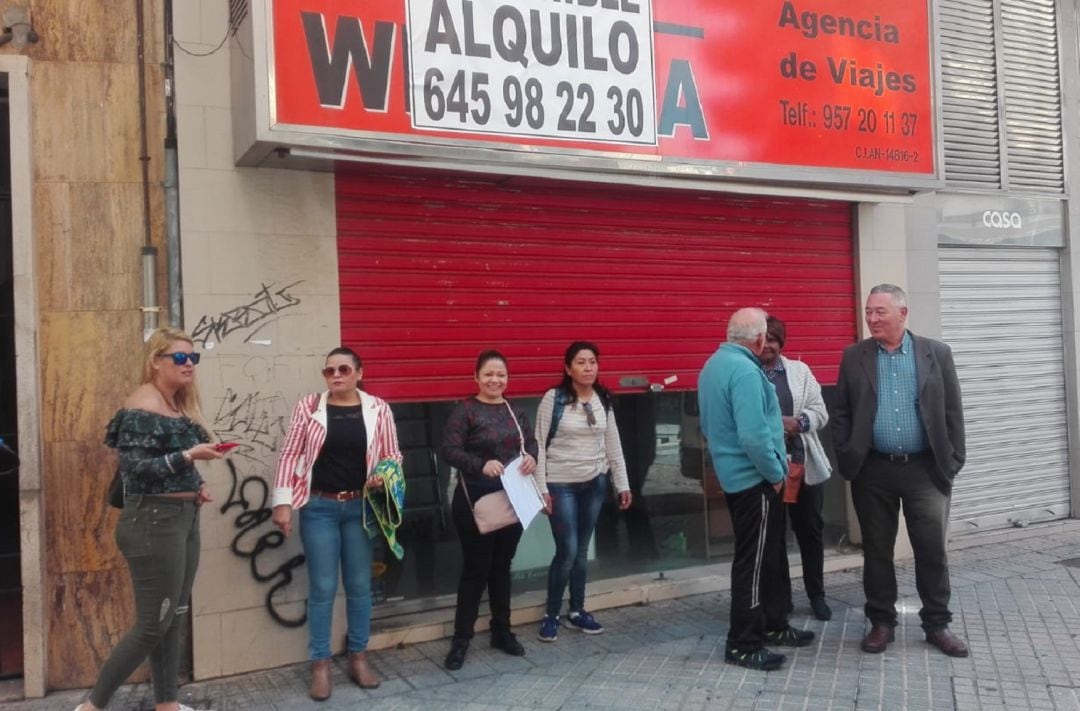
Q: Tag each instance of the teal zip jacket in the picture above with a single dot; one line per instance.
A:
(740, 418)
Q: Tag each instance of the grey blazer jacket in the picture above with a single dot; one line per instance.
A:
(938, 402)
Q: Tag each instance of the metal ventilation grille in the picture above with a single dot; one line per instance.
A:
(969, 93)
(1032, 95)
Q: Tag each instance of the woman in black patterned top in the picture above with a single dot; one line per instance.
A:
(159, 436)
(481, 437)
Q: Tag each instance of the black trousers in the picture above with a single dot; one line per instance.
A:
(485, 563)
(808, 525)
(760, 589)
(878, 493)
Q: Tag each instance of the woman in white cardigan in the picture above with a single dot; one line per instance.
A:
(804, 415)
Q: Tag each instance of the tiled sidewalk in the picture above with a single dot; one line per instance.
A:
(1015, 602)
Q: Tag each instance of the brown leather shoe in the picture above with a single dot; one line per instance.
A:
(320, 680)
(361, 672)
(877, 640)
(947, 642)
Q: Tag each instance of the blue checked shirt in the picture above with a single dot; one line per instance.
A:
(897, 427)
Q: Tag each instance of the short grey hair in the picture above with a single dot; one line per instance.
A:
(746, 325)
(898, 296)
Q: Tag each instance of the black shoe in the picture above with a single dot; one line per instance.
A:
(761, 660)
(456, 658)
(820, 607)
(507, 642)
(789, 637)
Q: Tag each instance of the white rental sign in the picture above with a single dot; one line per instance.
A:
(578, 71)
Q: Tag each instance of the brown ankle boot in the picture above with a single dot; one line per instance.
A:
(361, 672)
(320, 680)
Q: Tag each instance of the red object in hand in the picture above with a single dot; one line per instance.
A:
(226, 446)
(794, 482)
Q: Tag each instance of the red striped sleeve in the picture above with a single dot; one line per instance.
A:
(387, 434)
(293, 446)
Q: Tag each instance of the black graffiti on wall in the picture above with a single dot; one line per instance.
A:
(254, 420)
(251, 495)
(249, 317)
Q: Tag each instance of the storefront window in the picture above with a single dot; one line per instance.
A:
(663, 530)
(679, 517)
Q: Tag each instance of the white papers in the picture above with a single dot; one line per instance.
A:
(521, 490)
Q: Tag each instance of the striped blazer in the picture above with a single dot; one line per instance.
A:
(305, 438)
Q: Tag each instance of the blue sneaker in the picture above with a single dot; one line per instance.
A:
(549, 628)
(584, 622)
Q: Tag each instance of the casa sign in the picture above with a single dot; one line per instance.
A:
(823, 84)
(1000, 220)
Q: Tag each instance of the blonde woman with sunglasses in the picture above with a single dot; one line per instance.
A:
(580, 452)
(334, 441)
(158, 435)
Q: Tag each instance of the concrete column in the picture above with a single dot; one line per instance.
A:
(1070, 260)
(28, 396)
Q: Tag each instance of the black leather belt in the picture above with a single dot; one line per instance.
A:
(897, 458)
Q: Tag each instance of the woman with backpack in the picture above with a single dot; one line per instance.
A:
(580, 453)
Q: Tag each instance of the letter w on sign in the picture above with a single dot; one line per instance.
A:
(331, 65)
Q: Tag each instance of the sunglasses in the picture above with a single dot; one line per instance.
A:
(342, 370)
(181, 358)
(590, 416)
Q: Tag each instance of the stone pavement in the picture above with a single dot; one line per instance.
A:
(1014, 599)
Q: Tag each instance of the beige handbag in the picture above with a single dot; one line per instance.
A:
(493, 511)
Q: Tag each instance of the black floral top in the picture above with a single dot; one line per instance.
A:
(478, 432)
(151, 450)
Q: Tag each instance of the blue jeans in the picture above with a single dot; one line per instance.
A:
(333, 532)
(574, 510)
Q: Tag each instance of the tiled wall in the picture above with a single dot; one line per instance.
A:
(260, 297)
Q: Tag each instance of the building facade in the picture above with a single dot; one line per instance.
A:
(422, 179)
(80, 202)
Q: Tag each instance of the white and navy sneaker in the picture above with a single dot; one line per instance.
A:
(549, 628)
(584, 622)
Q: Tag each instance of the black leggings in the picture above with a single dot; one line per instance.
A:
(485, 563)
(159, 537)
(809, 526)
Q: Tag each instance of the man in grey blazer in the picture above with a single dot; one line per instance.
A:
(898, 427)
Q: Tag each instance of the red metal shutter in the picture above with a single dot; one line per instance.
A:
(435, 268)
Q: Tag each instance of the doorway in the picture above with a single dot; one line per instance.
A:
(11, 633)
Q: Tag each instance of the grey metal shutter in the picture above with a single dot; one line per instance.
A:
(1001, 95)
(1001, 314)
(1032, 95)
(969, 93)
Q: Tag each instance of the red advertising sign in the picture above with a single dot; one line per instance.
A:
(838, 84)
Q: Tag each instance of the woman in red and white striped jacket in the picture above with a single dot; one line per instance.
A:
(335, 440)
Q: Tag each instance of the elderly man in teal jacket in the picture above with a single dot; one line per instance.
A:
(740, 418)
